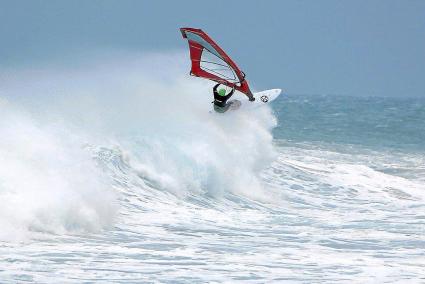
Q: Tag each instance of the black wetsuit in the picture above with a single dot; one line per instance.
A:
(220, 101)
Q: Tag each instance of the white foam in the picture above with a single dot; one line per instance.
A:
(47, 180)
(162, 120)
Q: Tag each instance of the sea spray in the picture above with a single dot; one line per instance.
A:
(47, 181)
(55, 122)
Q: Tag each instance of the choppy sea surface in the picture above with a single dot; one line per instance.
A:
(137, 182)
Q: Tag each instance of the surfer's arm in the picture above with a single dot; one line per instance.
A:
(215, 88)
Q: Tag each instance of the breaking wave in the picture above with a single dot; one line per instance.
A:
(59, 127)
(116, 170)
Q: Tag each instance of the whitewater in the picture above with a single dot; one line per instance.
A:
(116, 171)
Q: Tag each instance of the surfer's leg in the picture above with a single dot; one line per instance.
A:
(234, 104)
(222, 109)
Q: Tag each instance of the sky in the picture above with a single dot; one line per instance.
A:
(355, 48)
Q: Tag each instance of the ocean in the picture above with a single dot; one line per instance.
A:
(118, 174)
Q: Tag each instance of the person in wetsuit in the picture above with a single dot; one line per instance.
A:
(220, 99)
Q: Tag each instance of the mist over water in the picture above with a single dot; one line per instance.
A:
(117, 170)
(56, 121)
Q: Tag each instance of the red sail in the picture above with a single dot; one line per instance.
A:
(211, 62)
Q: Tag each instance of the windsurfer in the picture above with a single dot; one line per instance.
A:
(220, 100)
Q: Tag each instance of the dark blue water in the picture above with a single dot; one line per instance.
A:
(375, 122)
